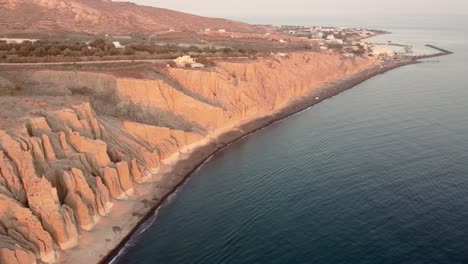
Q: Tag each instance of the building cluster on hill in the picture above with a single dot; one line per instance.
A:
(349, 41)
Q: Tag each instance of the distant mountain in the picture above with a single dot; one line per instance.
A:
(101, 17)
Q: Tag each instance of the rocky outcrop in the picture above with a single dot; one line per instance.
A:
(158, 95)
(24, 231)
(11, 252)
(81, 198)
(62, 170)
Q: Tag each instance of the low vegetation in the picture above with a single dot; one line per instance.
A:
(101, 49)
(11, 90)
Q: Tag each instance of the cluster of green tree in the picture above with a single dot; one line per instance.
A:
(155, 49)
(361, 51)
(171, 48)
(99, 47)
(335, 46)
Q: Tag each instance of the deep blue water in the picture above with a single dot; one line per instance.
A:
(377, 174)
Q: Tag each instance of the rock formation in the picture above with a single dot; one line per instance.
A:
(66, 158)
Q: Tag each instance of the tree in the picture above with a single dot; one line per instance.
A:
(53, 51)
(98, 52)
(23, 51)
(129, 51)
(98, 43)
(85, 51)
(206, 62)
(5, 46)
(114, 51)
(227, 50)
(109, 46)
(335, 46)
(39, 52)
(359, 52)
(67, 52)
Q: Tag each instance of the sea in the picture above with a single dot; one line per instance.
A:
(376, 174)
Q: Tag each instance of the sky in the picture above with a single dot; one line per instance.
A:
(239, 8)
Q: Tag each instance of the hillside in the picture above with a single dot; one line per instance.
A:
(101, 17)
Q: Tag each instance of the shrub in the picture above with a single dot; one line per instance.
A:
(335, 46)
(114, 51)
(67, 52)
(39, 52)
(206, 62)
(53, 51)
(98, 43)
(227, 50)
(129, 51)
(24, 51)
(210, 50)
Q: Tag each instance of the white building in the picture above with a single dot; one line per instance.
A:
(183, 60)
(197, 65)
(317, 35)
(331, 37)
(17, 40)
(118, 45)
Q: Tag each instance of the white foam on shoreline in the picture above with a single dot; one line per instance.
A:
(148, 223)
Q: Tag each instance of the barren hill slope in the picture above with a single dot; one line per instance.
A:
(101, 17)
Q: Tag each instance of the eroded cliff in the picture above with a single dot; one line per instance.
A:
(74, 143)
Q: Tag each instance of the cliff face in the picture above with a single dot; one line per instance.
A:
(60, 169)
(245, 89)
(72, 144)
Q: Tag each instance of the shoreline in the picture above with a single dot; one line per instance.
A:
(184, 168)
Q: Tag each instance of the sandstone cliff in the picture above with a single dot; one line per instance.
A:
(75, 143)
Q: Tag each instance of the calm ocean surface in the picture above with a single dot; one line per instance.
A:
(377, 174)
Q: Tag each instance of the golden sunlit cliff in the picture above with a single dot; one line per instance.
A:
(74, 144)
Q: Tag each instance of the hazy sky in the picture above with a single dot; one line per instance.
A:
(239, 8)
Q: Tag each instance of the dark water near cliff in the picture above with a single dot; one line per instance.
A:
(377, 174)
